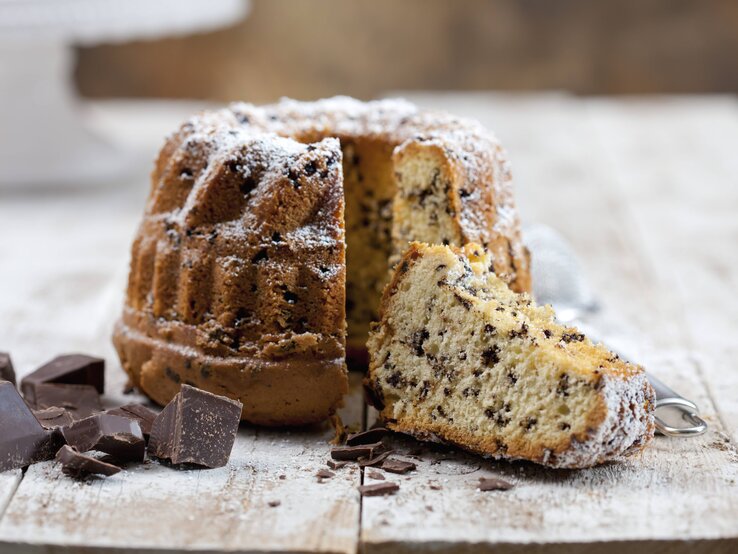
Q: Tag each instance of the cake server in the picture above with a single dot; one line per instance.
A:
(558, 280)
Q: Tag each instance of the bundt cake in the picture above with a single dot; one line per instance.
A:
(458, 357)
(238, 281)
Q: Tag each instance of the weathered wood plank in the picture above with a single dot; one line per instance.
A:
(678, 490)
(8, 483)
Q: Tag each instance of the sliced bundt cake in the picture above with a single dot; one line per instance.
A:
(458, 357)
(238, 281)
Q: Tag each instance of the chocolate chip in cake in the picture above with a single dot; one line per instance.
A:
(395, 380)
(572, 337)
(490, 330)
(564, 426)
(417, 340)
(310, 168)
(547, 333)
(530, 422)
(491, 355)
(276, 236)
(563, 386)
(260, 256)
(172, 375)
(523, 331)
(512, 377)
(290, 297)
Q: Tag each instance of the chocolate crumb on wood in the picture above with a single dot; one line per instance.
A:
(494, 484)
(393, 465)
(274, 503)
(323, 474)
(367, 437)
(374, 474)
(379, 489)
(335, 464)
(78, 465)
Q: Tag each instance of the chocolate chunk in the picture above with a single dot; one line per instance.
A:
(374, 474)
(379, 489)
(324, 474)
(79, 400)
(333, 464)
(23, 440)
(71, 369)
(356, 452)
(367, 437)
(53, 418)
(494, 484)
(373, 461)
(274, 503)
(79, 465)
(115, 435)
(138, 412)
(196, 427)
(393, 465)
(7, 373)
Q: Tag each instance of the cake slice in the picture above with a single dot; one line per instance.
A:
(458, 357)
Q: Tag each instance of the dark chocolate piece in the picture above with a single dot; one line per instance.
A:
(368, 462)
(379, 489)
(115, 435)
(335, 464)
(393, 465)
(356, 452)
(53, 418)
(138, 412)
(79, 465)
(367, 437)
(7, 373)
(374, 474)
(274, 503)
(494, 484)
(23, 440)
(79, 400)
(70, 369)
(196, 427)
(324, 474)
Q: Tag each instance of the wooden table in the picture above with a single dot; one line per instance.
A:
(647, 192)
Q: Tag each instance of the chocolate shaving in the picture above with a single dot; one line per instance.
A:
(367, 437)
(379, 489)
(334, 464)
(494, 484)
(53, 418)
(353, 453)
(367, 462)
(79, 465)
(393, 465)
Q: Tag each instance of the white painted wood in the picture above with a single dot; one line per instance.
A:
(645, 191)
(565, 163)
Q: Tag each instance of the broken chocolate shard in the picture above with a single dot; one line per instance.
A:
(78, 465)
(355, 452)
(53, 418)
(7, 373)
(334, 464)
(23, 440)
(79, 400)
(393, 465)
(367, 437)
(375, 460)
(494, 484)
(138, 412)
(379, 489)
(70, 369)
(196, 427)
(374, 474)
(115, 435)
